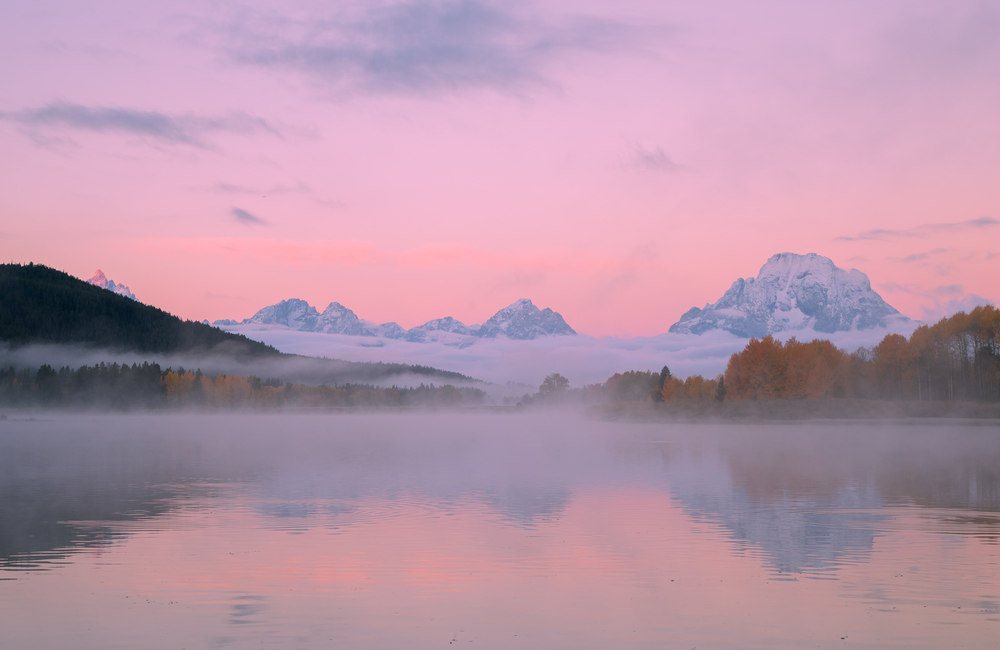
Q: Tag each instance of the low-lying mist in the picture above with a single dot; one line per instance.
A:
(582, 359)
(291, 368)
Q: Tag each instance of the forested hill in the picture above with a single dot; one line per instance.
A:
(42, 305)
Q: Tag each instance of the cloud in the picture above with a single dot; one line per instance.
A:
(916, 257)
(162, 127)
(939, 307)
(964, 303)
(583, 359)
(654, 160)
(246, 218)
(229, 188)
(925, 230)
(947, 45)
(420, 46)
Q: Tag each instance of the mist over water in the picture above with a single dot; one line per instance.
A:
(583, 359)
(497, 530)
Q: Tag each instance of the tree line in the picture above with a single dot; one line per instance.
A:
(631, 386)
(147, 386)
(956, 359)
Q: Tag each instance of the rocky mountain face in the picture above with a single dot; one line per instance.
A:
(102, 281)
(794, 292)
(520, 321)
(435, 329)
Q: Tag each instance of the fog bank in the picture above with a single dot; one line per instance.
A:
(296, 369)
(582, 359)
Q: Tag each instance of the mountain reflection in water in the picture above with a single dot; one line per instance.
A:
(492, 506)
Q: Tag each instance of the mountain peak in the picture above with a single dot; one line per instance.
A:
(102, 281)
(293, 313)
(793, 292)
(522, 320)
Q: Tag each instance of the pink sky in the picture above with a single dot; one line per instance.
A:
(422, 159)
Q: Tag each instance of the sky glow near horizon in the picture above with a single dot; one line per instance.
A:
(415, 160)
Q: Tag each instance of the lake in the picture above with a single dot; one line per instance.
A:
(496, 530)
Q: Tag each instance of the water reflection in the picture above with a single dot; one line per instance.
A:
(374, 515)
(806, 495)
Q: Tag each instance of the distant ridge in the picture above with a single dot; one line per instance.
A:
(794, 293)
(39, 304)
(519, 321)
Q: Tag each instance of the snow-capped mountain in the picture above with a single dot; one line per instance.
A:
(295, 314)
(521, 320)
(300, 315)
(438, 329)
(102, 281)
(794, 292)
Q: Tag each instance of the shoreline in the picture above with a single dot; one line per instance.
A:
(844, 409)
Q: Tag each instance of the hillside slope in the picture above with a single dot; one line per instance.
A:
(39, 304)
(42, 306)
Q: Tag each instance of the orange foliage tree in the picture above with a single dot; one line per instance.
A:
(957, 358)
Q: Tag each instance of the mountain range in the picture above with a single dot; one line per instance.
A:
(794, 293)
(75, 320)
(791, 293)
(519, 321)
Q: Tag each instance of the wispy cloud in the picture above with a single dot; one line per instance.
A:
(927, 229)
(942, 301)
(246, 218)
(948, 290)
(421, 46)
(275, 190)
(654, 159)
(917, 257)
(162, 127)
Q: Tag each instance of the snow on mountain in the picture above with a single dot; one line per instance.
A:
(102, 281)
(295, 314)
(792, 293)
(338, 319)
(299, 315)
(521, 320)
(435, 329)
(389, 330)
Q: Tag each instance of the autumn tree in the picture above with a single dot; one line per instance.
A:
(554, 385)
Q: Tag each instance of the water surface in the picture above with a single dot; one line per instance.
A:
(497, 531)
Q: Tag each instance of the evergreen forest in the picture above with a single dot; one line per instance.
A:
(39, 304)
(147, 386)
